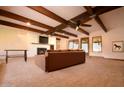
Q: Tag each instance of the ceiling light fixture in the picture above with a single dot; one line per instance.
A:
(28, 23)
(78, 24)
(77, 27)
(63, 33)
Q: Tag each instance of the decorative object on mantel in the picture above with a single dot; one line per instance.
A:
(117, 46)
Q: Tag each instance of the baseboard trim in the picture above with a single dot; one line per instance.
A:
(108, 58)
(96, 56)
(115, 59)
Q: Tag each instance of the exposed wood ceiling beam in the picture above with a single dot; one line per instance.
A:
(62, 26)
(48, 13)
(65, 32)
(84, 17)
(80, 30)
(87, 25)
(60, 36)
(52, 15)
(81, 16)
(61, 31)
(10, 24)
(20, 26)
(98, 20)
(24, 19)
(89, 9)
(103, 9)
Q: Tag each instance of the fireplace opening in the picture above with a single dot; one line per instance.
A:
(41, 51)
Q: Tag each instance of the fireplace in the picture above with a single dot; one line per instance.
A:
(41, 51)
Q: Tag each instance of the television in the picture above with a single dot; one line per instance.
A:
(43, 40)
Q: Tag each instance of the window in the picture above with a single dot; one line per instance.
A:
(97, 44)
(85, 44)
(73, 44)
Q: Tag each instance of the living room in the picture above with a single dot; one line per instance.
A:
(97, 31)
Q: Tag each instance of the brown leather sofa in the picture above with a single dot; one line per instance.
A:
(57, 60)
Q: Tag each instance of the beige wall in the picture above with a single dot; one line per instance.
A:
(12, 38)
(63, 44)
(115, 27)
(107, 38)
(114, 21)
(9, 39)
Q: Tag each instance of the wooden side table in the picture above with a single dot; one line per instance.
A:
(7, 56)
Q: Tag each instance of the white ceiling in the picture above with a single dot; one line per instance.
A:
(66, 12)
(110, 19)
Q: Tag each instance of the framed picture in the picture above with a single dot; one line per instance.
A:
(118, 46)
(97, 44)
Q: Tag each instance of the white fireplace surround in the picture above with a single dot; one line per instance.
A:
(33, 49)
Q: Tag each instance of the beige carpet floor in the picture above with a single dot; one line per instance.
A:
(96, 72)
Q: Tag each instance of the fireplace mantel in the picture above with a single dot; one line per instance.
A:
(40, 44)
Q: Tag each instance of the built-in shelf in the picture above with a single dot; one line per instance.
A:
(40, 43)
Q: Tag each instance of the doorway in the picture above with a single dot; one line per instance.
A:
(58, 43)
